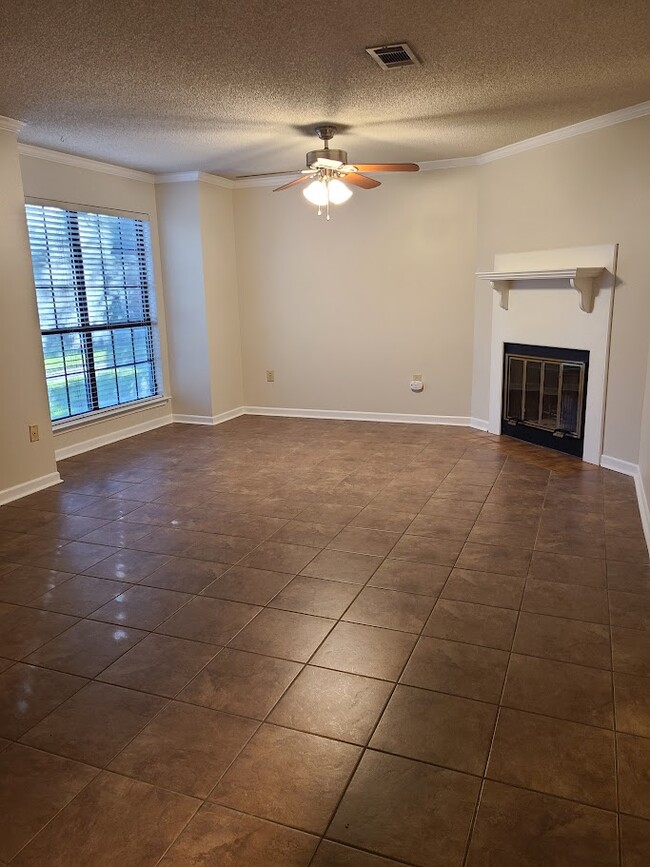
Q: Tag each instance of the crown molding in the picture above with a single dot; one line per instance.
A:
(203, 177)
(565, 132)
(538, 141)
(8, 124)
(439, 165)
(40, 153)
(271, 180)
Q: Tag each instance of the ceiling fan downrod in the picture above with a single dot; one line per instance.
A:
(326, 134)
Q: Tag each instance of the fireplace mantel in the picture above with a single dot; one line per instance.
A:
(543, 313)
(581, 279)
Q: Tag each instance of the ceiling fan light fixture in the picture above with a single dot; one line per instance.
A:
(316, 193)
(328, 166)
(338, 192)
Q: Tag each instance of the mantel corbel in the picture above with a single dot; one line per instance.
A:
(580, 279)
(503, 288)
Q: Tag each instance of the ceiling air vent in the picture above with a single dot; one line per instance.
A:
(393, 56)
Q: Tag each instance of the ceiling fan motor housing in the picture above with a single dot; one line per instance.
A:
(327, 154)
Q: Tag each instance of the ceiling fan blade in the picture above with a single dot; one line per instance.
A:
(358, 180)
(292, 183)
(387, 167)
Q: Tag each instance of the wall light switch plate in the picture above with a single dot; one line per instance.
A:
(270, 375)
(33, 433)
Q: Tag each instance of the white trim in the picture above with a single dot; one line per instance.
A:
(629, 469)
(619, 466)
(84, 163)
(479, 423)
(90, 209)
(98, 416)
(565, 132)
(8, 124)
(538, 141)
(203, 177)
(31, 487)
(108, 438)
(347, 415)
(209, 419)
(644, 507)
(585, 126)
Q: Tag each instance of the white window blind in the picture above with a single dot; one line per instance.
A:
(96, 305)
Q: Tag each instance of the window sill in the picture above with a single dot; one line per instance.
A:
(69, 424)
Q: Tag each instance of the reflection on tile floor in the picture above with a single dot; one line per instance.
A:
(341, 644)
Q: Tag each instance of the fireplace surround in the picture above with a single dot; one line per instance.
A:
(535, 303)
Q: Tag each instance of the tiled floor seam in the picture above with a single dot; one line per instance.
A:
(374, 728)
(615, 720)
(60, 810)
(477, 806)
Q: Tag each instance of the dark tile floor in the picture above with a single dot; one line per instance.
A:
(288, 642)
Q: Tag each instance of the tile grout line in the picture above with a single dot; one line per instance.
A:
(479, 799)
(339, 619)
(379, 718)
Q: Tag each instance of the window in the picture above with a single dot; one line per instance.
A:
(96, 306)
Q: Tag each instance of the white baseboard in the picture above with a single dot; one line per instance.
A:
(27, 488)
(209, 419)
(633, 470)
(23, 490)
(392, 417)
(108, 438)
(643, 497)
(619, 466)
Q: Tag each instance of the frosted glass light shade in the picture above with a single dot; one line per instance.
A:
(339, 192)
(316, 193)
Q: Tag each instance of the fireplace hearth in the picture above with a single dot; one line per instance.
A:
(544, 395)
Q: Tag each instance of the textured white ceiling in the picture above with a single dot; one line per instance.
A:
(231, 87)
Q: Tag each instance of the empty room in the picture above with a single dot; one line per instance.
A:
(325, 433)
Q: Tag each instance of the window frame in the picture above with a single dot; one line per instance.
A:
(85, 329)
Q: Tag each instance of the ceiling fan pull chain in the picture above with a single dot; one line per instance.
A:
(327, 193)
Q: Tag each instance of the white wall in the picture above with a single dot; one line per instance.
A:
(346, 311)
(23, 395)
(588, 190)
(54, 181)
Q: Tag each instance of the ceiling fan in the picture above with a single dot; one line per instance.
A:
(329, 172)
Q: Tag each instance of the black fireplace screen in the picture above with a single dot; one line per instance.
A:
(544, 391)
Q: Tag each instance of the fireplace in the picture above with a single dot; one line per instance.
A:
(544, 395)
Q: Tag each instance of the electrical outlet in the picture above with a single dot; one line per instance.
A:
(270, 375)
(33, 433)
(417, 377)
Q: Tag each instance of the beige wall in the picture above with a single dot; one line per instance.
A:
(23, 395)
(588, 190)
(198, 242)
(221, 296)
(346, 311)
(180, 237)
(57, 182)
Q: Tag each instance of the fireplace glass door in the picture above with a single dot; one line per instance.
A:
(544, 395)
